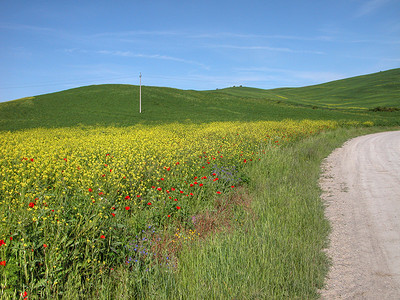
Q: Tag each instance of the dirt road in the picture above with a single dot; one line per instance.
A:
(361, 184)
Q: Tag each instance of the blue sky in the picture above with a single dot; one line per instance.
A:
(48, 46)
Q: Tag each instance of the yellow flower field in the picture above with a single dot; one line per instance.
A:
(80, 194)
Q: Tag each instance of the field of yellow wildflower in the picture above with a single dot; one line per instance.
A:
(88, 200)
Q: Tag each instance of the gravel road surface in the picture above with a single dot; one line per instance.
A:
(361, 190)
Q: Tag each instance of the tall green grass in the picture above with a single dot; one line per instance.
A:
(277, 252)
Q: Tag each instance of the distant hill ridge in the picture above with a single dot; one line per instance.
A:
(117, 104)
(360, 92)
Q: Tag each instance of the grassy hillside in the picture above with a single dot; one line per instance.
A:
(347, 99)
(356, 93)
(361, 92)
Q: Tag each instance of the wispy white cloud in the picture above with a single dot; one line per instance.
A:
(205, 35)
(31, 28)
(374, 58)
(309, 76)
(133, 33)
(219, 35)
(370, 7)
(267, 48)
(151, 56)
(120, 53)
(376, 41)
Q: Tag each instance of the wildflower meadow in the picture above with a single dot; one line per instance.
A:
(80, 204)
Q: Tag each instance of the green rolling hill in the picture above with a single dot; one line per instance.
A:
(355, 93)
(344, 100)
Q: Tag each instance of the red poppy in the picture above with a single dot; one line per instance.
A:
(200, 184)
(138, 196)
(44, 245)
(127, 208)
(161, 178)
(113, 208)
(101, 193)
(149, 203)
(25, 294)
(172, 189)
(32, 159)
(3, 263)
(213, 174)
(169, 216)
(244, 161)
(127, 197)
(218, 192)
(181, 192)
(232, 186)
(90, 190)
(113, 214)
(102, 237)
(2, 242)
(11, 238)
(178, 207)
(159, 189)
(31, 204)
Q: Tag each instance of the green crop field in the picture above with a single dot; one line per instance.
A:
(204, 195)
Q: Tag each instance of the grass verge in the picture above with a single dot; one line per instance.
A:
(277, 252)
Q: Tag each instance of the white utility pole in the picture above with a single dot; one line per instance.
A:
(140, 93)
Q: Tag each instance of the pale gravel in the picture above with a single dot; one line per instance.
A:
(361, 190)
